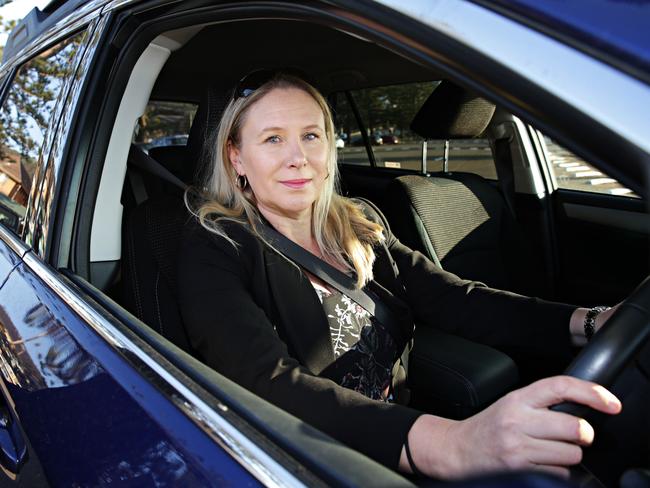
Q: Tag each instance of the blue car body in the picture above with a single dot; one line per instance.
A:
(87, 401)
(614, 31)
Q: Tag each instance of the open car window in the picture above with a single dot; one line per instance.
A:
(574, 173)
(381, 118)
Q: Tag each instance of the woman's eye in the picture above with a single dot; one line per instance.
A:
(311, 136)
(273, 139)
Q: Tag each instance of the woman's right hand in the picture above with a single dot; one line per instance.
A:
(517, 432)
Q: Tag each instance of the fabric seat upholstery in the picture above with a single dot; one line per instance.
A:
(152, 229)
(460, 220)
(151, 239)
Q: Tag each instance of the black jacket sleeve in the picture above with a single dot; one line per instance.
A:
(233, 334)
(471, 310)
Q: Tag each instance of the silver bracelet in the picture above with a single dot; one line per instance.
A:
(590, 320)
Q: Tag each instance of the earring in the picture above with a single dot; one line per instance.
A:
(241, 182)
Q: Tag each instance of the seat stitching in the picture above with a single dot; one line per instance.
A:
(158, 304)
(428, 244)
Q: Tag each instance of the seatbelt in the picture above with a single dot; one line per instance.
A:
(143, 161)
(368, 300)
(506, 178)
(137, 187)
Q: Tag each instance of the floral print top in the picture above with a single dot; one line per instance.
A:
(364, 351)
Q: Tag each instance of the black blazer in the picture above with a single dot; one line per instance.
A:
(255, 317)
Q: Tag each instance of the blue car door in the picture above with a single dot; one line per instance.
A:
(91, 417)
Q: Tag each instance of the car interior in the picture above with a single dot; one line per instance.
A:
(494, 230)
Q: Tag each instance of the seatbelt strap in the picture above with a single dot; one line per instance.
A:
(332, 276)
(404, 357)
(137, 187)
(142, 160)
(506, 178)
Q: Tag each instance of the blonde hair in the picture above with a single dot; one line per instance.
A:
(341, 230)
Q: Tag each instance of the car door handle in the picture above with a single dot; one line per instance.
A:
(13, 450)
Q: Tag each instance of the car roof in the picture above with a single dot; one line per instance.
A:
(36, 22)
(615, 31)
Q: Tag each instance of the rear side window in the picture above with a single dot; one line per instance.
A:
(164, 124)
(25, 117)
(383, 115)
(574, 173)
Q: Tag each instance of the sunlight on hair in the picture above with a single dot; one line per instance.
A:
(341, 230)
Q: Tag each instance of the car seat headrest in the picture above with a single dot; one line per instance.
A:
(451, 112)
(205, 124)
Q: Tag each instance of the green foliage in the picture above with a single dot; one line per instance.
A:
(383, 110)
(6, 26)
(392, 108)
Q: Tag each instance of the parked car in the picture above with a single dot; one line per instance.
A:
(389, 139)
(99, 385)
(174, 140)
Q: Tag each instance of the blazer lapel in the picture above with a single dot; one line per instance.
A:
(301, 314)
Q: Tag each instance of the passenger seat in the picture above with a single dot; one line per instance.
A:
(460, 220)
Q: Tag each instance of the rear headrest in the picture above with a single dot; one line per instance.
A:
(451, 112)
(207, 118)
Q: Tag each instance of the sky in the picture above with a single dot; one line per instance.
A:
(17, 10)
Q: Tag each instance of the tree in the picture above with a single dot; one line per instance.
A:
(391, 108)
(5, 26)
(28, 107)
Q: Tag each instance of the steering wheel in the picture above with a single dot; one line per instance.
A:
(613, 348)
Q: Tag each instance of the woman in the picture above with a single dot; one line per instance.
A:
(296, 341)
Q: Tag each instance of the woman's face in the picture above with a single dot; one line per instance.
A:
(283, 152)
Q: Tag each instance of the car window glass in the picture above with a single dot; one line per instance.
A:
(24, 118)
(164, 124)
(349, 142)
(467, 155)
(386, 114)
(574, 173)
